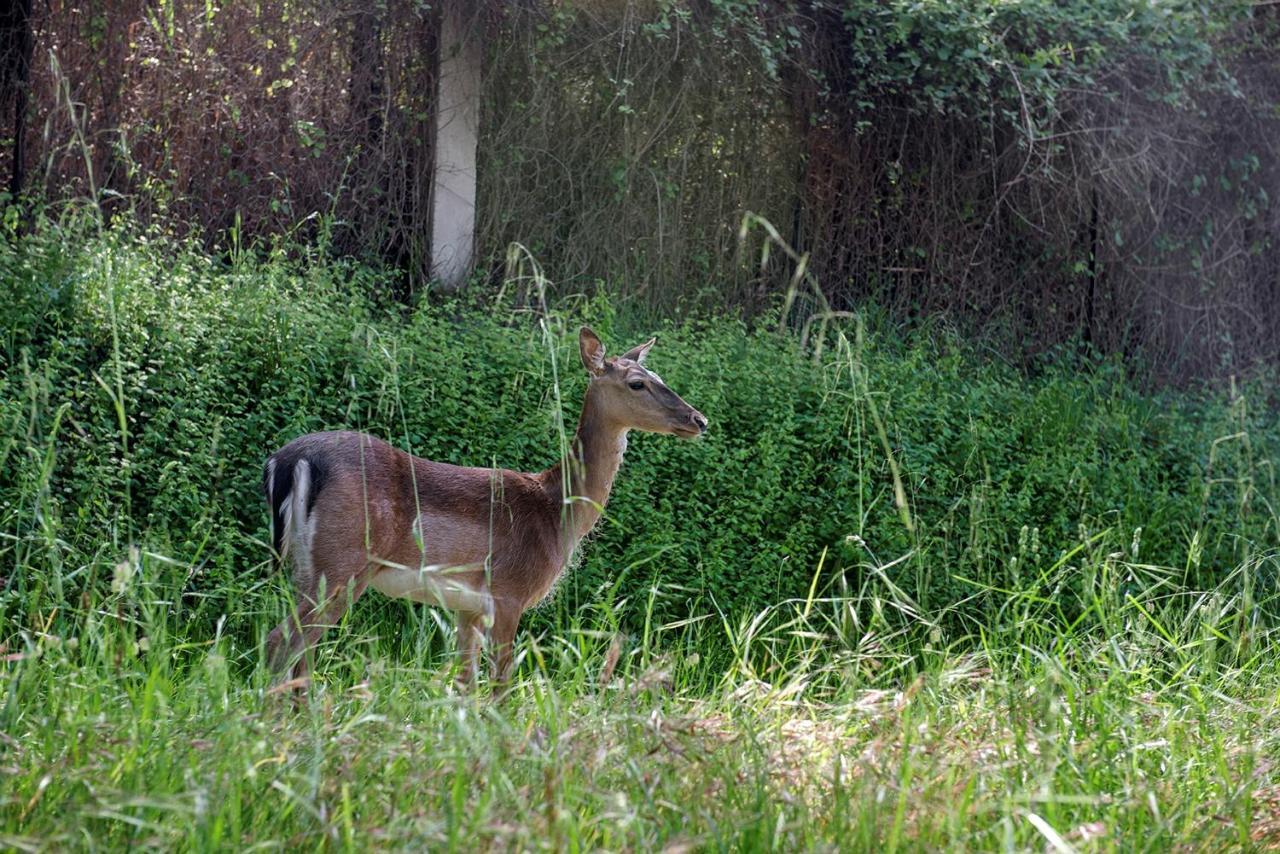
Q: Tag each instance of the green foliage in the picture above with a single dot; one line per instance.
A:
(942, 584)
(144, 384)
(978, 58)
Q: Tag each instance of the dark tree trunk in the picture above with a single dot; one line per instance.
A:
(16, 44)
(827, 161)
(366, 78)
(1092, 294)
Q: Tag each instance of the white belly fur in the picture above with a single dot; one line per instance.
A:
(433, 585)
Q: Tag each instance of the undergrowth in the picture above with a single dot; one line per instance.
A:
(901, 594)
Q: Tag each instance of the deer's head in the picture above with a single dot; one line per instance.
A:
(632, 396)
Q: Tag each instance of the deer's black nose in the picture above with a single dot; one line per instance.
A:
(700, 422)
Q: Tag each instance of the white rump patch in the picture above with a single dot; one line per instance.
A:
(299, 531)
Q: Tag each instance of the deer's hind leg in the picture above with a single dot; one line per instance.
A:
(338, 578)
(470, 633)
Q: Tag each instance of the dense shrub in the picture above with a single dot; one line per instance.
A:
(143, 384)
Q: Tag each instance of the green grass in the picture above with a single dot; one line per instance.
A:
(1158, 732)
(902, 596)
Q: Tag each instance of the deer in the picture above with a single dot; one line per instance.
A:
(350, 511)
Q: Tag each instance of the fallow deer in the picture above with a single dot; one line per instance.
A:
(349, 511)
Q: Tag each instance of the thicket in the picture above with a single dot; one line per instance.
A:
(1096, 173)
(142, 384)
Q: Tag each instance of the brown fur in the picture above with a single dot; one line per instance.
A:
(488, 542)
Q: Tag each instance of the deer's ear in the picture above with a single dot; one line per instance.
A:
(637, 354)
(592, 351)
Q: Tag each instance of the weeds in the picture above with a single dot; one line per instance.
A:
(899, 598)
(818, 732)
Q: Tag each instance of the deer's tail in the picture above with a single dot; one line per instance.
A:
(291, 482)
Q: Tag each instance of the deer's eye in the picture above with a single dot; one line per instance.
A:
(636, 386)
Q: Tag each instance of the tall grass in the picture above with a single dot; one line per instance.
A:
(901, 597)
(1149, 725)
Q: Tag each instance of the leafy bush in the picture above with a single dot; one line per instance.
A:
(143, 384)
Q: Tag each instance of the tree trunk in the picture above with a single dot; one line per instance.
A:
(366, 184)
(16, 45)
(366, 78)
(457, 131)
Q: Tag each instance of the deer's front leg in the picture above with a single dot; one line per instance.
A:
(502, 635)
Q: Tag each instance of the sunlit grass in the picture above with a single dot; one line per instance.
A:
(806, 727)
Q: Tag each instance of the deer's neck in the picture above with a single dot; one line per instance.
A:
(593, 461)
